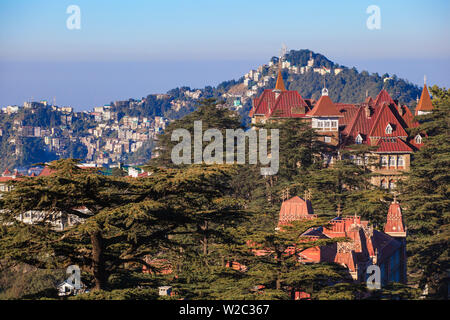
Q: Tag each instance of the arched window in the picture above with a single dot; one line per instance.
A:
(388, 129)
(384, 161)
(383, 184)
(418, 139)
(359, 139)
(400, 161)
(391, 161)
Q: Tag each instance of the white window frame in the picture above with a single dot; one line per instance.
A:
(384, 161)
(358, 139)
(400, 161)
(418, 139)
(334, 125)
(392, 161)
(388, 129)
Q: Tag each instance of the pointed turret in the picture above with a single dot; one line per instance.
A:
(382, 97)
(394, 224)
(424, 105)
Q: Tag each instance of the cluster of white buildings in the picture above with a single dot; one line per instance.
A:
(255, 79)
(106, 143)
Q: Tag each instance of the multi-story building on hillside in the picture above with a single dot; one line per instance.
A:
(381, 123)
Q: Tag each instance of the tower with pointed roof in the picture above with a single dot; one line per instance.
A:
(424, 105)
(280, 83)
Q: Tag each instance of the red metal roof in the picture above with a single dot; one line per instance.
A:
(409, 118)
(365, 242)
(348, 111)
(324, 108)
(266, 99)
(5, 179)
(295, 209)
(393, 145)
(382, 97)
(46, 172)
(384, 117)
(289, 104)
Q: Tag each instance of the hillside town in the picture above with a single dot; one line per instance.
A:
(106, 139)
(266, 74)
(380, 122)
(380, 125)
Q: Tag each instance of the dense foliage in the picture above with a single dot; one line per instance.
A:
(426, 194)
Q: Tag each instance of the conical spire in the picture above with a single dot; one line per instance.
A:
(424, 105)
(280, 83)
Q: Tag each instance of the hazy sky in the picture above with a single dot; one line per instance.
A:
(132, 48)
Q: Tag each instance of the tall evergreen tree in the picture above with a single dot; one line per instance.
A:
(426, 198)
(126, 221)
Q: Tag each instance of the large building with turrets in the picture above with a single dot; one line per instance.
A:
(379, 122)
(366, 246)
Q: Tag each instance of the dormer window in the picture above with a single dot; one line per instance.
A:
(388, 129)
(359, 139)
(418, 139)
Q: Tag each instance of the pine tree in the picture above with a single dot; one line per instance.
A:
(426, 197)
(274, 265)
(213, 116)
(127, 219)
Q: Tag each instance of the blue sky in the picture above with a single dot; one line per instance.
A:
(132, 48)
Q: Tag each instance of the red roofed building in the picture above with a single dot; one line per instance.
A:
(366, 246)
(7, 173)
(325, 119)
(381, 122)
(424, 105)
(278, 103)
(295, 209)
(4, 186)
